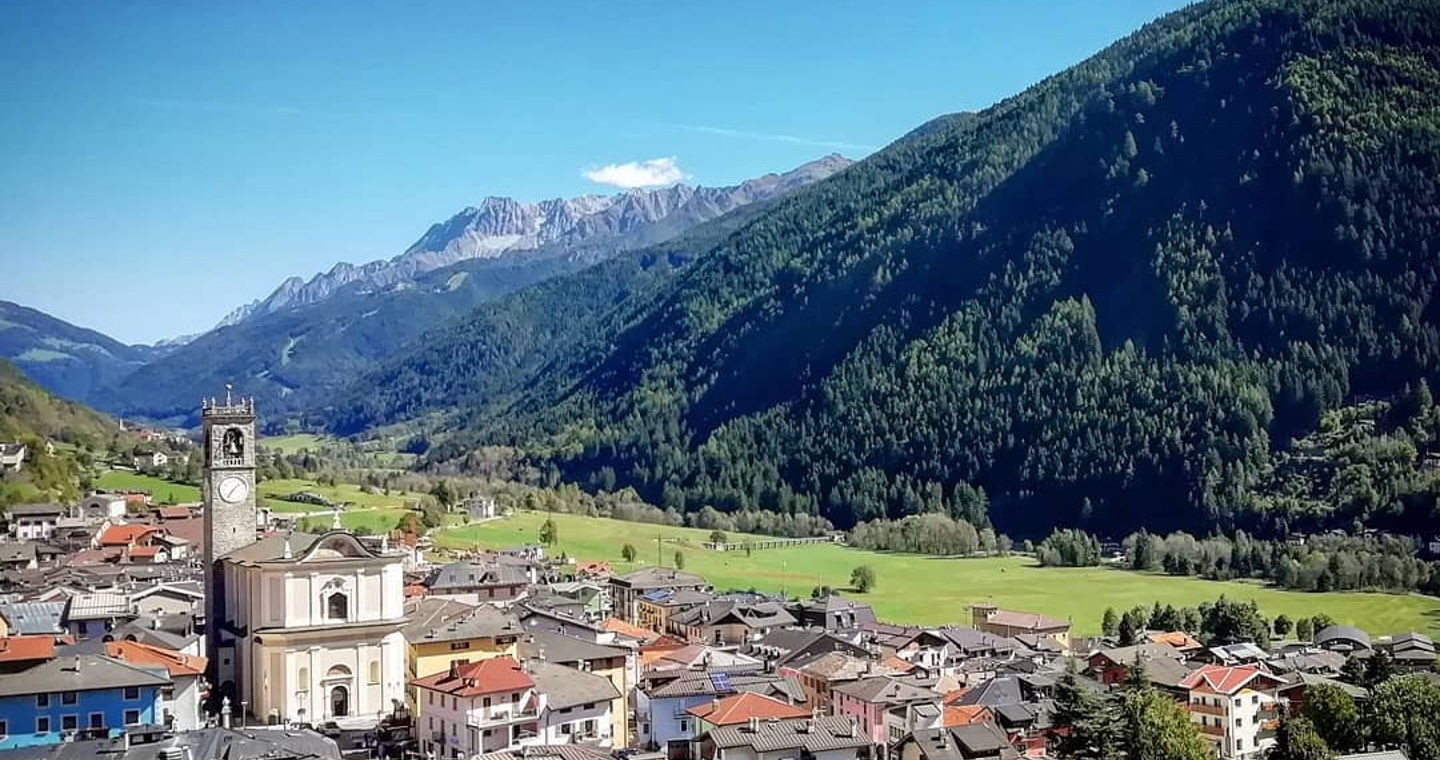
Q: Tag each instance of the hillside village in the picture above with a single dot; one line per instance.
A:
(130, 629)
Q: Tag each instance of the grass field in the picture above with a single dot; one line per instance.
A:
(161, 490)
(375, 521)
(293, 444)
(271, 490)
(929, 590)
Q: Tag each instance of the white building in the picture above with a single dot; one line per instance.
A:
(12, 456)
(34, 522)
(180, 707)
(498, 704)
(316, 623)
(1235, 708)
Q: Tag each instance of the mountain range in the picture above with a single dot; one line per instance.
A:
(295, 348)
(1109, 301)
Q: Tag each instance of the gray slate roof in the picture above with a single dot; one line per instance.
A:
(60, 674)
(1342, 633)
(551, 752)
(443, 620)
(567, 687)
(817, 735)
(885, 690)
(17, 552)
(556, 647)
(658, 577)
(35, 510)
(229, 744)
(33, 617)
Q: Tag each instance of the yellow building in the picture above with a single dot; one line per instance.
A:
(444, 631)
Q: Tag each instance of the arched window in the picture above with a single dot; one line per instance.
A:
(374, 671)
(337, 607)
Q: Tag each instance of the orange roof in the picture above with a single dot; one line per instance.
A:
(174, 513)
(1223, 679)
(21, 648)
(898, 665)
(964, 715)
(739, 708)
(144, 551)
(413, 590)
(953, 696)
(1176, 639)
(496, 674)
(177, 663)
(616, 625)
(1030, 621)
(124, 535)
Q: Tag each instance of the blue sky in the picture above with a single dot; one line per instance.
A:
(161, 163)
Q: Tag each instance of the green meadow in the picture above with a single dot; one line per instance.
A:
(930, 590)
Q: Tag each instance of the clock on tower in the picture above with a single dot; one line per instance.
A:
(229, 479)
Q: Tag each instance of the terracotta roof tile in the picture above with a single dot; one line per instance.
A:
(739, 708)
(22, 648)
(136, 653)
(498, 674)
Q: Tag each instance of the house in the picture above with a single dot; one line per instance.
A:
(1235, 708)
(1242, 653)
(616, 664)
(823, 738)
(93, 614)
(832, 613)
(1179, 640)
(55, 699)
(1412, 652)
(722, 622)
(12, 456)
(868, 701)
(627, 589)
(821, 676)
(592, 596)
(973, 741)
(1112, 666)
(793, 647)
(992, 619)
(1292, 692)
(498, 704)
(180, 702)
(18, 556)
(442, 632)
(27, 618)
(34, 522)
(661, 711)
(1343, 638)
(100, 507)
(654, 608)
(474, 582)
(738, 709)
(152, 460)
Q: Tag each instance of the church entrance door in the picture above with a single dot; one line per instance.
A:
(339, 702)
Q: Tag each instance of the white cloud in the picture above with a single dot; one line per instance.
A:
(656, 171)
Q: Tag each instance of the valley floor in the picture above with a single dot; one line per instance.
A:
(931, 590)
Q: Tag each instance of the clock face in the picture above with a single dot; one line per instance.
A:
(233, 489)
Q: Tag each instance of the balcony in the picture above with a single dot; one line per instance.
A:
(499, 716)
(1204, 709)
(1213, 730)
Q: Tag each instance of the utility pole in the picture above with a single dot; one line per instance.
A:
(658, 561)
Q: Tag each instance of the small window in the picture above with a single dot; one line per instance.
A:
(337, 607)
(430, 697)
(42, 724)
(374, 671)
(97, 720)
(69, 722)
(1239, 744)
(302, 677)
(455, 645)
(4, 727)
(1237, 723)
(42, 700)
(485, 702)
(565, 728)
(1255, 700)
(132, 717)
(67, 698)
(132, 693)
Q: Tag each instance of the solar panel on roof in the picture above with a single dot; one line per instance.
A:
(721, 681)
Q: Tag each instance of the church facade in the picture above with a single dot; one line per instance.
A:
(302, 627)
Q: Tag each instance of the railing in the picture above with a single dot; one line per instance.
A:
(1213, 730)
(491, 717)
(1201, 707)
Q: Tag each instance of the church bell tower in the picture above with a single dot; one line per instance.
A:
(228, 490)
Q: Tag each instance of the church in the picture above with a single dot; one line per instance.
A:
(301, 627)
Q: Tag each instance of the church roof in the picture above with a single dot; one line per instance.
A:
(335, 544)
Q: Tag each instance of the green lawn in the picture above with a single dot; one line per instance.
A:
(271, 490)
(293, 444)
(929, 590)
(381, 520)
(161, 490)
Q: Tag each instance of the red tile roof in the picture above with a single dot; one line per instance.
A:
(124, 535)
(144, 551)
(1030, 621)
(616, 625)
(898, 665)
(1223, 679)
(964, 715)
(22, 648)
(497, 674)
(413, 590)
(739, 708)
(174, 513)
(1176, 639)
(136, 653)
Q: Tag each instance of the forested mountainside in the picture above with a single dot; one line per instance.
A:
(31, 415)
(1106, 301)
(297, 349)
(71, 361)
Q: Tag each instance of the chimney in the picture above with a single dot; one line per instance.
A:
(77, 663)
(454, 668)
(754, 724)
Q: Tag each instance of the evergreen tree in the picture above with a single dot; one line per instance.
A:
(1109, 625)
(549, 533)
